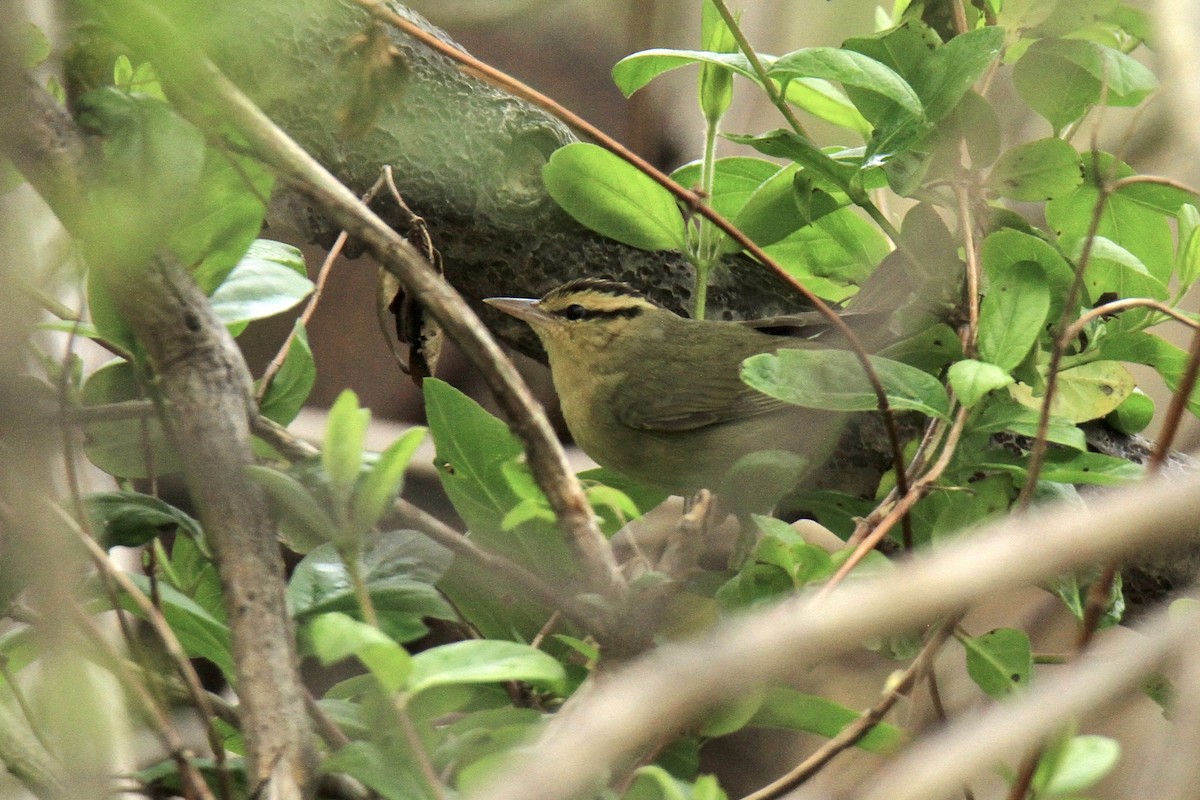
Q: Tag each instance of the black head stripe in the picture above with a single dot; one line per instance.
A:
(592, 286)
(576, 312)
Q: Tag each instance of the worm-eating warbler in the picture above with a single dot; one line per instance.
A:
(658, 398)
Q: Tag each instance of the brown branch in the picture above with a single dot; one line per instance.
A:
(674, 686)
(206, 386)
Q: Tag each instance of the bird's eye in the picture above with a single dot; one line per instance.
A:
(575, 312)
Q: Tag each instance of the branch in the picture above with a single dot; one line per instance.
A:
(206, 386)
(676, 685)
(976, 742)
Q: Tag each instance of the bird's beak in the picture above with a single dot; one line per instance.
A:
(523, 308)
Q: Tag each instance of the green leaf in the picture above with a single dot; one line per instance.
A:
(833, 255)
(376, 489)
(1144, 348)
(735, 179)
(472, 447)
(483, 661)
(1062, 466)
(985, 499)
(930, 349)
(613, 198)
(972, 379)
(954, 68)
(1000, 662)
(109, 323)
(303, 522)
(377, 768)
(151, 163)
(834, 380)
(132, 448)
(34, 44)
(1061, 79)
(345, 437)
(825, 101)
(1134, 414)
(1085, 392)
(399, 569)
(906, 49)
(224, 217)
(336, 636)
(1035, 171)
(1010, 416)
(1013, 314)
(770, 212)
(1006, 247)
(1083, 762)
(1187, 258)
(652, 782)
(131, 519)
(1135, 216)
(1111, 269)
(792, 710)
(635, 71)
(783, 143)
(476, 737)
(732, 716)
(850, 69)
(293, 382)
(192, 571)
(200, 633)
(269, 279)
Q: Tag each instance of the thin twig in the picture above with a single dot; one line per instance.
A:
(160, 721)
(179, 657)
(1179, 404)
(314, 299)
(854, 732)
(1037, 453)
(919, 488)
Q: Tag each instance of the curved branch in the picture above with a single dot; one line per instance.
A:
(677, 685)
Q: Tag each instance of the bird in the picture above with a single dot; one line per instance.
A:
(658, 398)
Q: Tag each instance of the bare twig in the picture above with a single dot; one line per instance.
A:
(314, 300)
(183, 665)
(853, 733)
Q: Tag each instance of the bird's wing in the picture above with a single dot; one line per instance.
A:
(704, 396)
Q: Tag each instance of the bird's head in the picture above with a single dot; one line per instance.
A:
(583, 316)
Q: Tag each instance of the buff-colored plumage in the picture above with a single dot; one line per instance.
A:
(658, 397)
